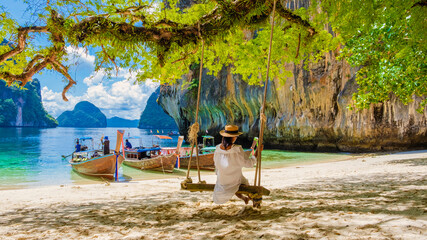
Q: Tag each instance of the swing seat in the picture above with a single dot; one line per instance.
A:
(245, 189)
(254, 192)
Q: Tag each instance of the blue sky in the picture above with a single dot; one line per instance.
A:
(118, 96)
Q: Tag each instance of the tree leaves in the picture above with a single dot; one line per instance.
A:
(386, 38)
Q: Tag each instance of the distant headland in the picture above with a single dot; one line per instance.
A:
(23, 107)
(84, 114)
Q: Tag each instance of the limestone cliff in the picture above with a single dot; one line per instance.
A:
(309, 112)
(23, 107)
(153, 116)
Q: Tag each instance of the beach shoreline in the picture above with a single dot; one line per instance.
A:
(129, 174)
(280, 158)
(368, 197)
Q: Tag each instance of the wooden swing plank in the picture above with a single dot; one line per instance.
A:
(201, 187)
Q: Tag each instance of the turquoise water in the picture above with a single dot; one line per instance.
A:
(31, 157)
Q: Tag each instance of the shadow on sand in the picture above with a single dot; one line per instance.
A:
(334, 208)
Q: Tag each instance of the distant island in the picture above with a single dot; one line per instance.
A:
(84, 115)
(23, 107)
(121, 122)
(154, 117)
(87, 115)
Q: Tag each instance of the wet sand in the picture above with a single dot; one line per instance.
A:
(371, 197)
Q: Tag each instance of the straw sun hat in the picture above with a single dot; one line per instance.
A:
(230, 131)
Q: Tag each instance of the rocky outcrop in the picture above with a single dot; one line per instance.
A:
(154, 117)
(84, 115)
(308, 112)
(121, 122)
(23, 107)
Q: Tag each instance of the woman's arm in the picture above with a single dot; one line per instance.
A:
(245, 161)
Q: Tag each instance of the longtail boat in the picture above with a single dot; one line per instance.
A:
(96, 163)
(152, 158)
(165, 163)
(206, 161)
(206, 155)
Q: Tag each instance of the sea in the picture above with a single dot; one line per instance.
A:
(33, 157)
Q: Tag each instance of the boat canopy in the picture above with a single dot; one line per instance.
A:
(208, 141)
(149, 149)
(85, 138)
(162, 137)
(209, 149)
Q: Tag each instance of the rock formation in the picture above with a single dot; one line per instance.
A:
(84, 115)
(154, 117)
(23, 107)
(308, 112)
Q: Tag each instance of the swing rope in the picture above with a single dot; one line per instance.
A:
(194, 129)
(263, 118)
(257, 191)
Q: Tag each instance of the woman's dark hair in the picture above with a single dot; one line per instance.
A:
(227, 142)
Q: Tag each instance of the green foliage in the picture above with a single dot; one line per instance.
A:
(33, 113)
(386, 38)
(8, 112)
(8, 30)
(194, 84)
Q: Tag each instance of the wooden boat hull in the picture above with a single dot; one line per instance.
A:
(206, 161)
(169, 150)
(104, 166)
(163, 163)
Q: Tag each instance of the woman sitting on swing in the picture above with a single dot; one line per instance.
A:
(229, 160)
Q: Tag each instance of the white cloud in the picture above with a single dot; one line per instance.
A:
(79, 55)
(54, 104)
(123, 98)
(154, 7)
(96, 78)
(99, 76)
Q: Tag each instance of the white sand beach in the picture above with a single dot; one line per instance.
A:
(369, 197)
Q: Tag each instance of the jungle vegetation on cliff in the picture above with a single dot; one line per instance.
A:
(385, 38)
(32, 113)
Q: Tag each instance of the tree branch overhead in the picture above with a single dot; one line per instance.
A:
(162, 33)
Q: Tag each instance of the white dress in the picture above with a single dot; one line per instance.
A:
(228, 167)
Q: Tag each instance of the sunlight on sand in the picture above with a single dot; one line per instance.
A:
(381, 197)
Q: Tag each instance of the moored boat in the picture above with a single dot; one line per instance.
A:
(152, 158)
(206, 161)
(173, 133)
(165, 163)
(104, 166)
(97, 163)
